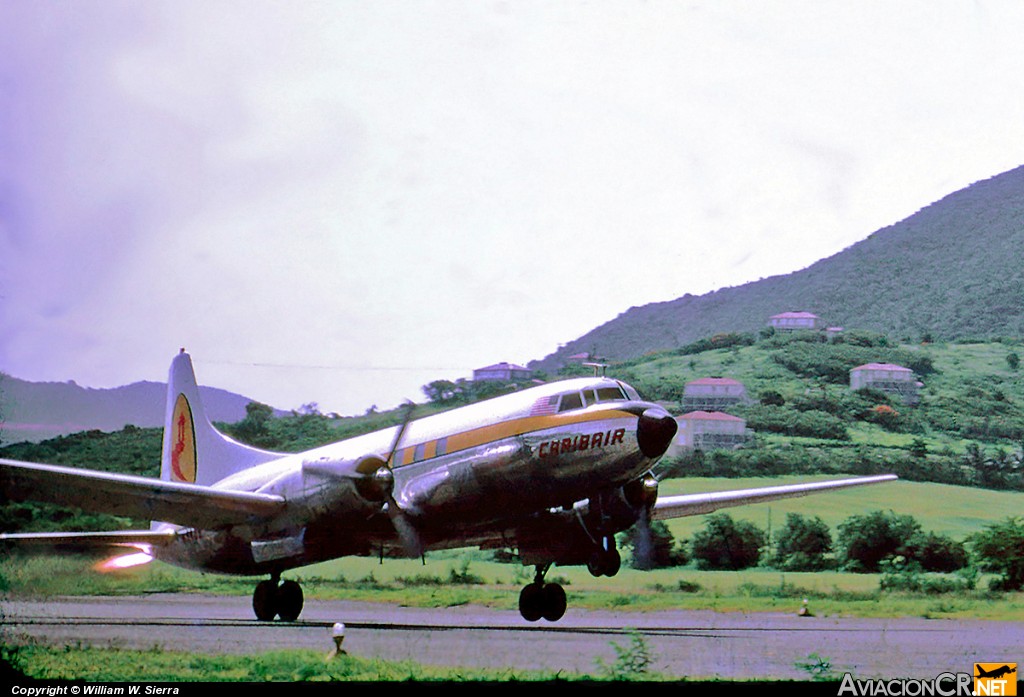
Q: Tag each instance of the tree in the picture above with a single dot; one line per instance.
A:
(443, 392)
(865, 540)
(254, 429)
(999, 548)
(802, 544)
(727, 544)
(1013, 360)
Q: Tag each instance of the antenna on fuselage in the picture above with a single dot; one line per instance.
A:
(600, 369)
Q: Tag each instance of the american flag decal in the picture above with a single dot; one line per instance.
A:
(544, 406)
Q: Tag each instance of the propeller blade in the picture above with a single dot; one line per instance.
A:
(412, 546)
(406, 418)
(643, 545)
(407, 534)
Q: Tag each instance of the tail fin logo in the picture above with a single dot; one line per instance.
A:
(183, 448)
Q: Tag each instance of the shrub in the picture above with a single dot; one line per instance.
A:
(999, 548)
(901, 574)
(802, 544)
(865, 540)
(727, 544)
(936, 552)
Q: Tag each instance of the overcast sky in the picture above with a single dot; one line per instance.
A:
(337, 202)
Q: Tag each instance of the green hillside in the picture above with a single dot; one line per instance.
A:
(950, 271)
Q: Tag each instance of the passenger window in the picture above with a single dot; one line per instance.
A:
(589, 397)
(570, 401)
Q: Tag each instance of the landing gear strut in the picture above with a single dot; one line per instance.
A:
(275, 599)
(541, 599)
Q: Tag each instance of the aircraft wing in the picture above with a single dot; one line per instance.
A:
(698, 504)
(137, 497)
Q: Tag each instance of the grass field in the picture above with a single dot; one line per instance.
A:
(949, 510)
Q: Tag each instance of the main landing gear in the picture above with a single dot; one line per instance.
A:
(547, 600)
(541, 599)
(275, 599)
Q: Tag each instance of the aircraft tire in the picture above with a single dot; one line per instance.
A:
(604, 562)
(554, 602)
(264, 601)
(289, 601)
(613, 562)
(531, 602)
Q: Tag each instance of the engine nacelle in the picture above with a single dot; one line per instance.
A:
(621, 508)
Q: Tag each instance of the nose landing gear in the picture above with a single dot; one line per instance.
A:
(541, 599)
(605, 559)
(275, 599)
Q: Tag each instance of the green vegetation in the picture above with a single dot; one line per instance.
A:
(727, 544)
(802, 544)
(1000, 548)
(118, 665)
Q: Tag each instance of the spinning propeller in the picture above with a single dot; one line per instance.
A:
(644, 493)
(407, 534)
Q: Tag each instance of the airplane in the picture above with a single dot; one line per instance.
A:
(996, 672)
(552, 471)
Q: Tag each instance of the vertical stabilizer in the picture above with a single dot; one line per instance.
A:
(194, 451)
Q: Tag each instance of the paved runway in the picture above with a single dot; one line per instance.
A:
(684, 644)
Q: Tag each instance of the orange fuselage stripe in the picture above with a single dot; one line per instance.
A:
(505, 429)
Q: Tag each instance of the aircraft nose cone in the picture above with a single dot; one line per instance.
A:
(655, 431)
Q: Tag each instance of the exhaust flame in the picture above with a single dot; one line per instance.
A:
(126, 561)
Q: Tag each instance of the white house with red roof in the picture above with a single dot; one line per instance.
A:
(502, 371)
(712, 394)
(709, 430)
(796, 321)
(887, 377)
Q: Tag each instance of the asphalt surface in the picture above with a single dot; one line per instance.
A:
(730, 646)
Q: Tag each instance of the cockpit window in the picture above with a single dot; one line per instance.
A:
(577, 400)
(569, 401)
(630, 392)
(610, 394)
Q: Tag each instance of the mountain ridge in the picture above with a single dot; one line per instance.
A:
(36, 411)
(948, 271)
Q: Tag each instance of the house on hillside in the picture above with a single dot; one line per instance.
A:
(889, 378)
(710, 430)
(713, 394)
(796, 321)
(502, 371)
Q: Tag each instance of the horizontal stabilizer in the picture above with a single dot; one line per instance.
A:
(137, 497)
(699, 504)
